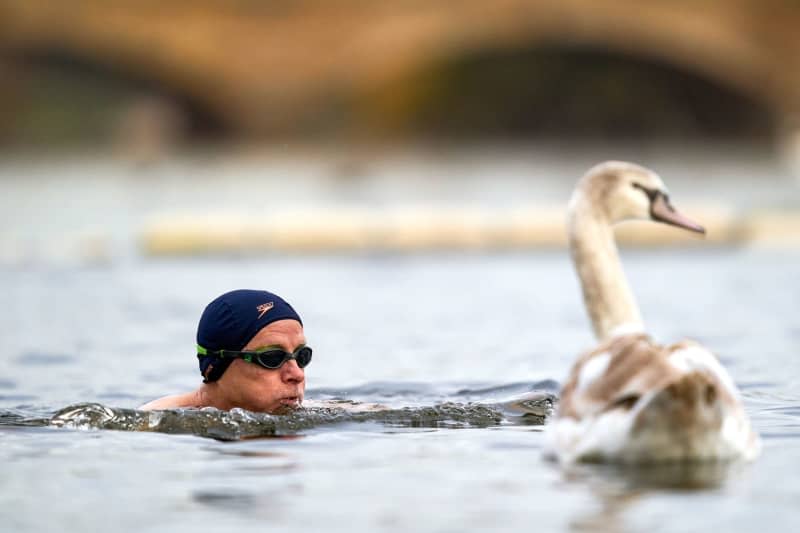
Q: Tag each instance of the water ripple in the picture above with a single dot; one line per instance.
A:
(239, 424)
(42, 358)
(16, 417)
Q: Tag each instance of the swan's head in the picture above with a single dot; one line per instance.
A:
(626, 191)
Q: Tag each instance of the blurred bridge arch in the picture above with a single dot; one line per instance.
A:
(277, 67)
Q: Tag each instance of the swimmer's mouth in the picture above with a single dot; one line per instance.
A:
(291, 401)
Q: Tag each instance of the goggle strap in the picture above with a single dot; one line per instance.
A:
(202, 352)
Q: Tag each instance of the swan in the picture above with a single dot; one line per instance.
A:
(631, 400)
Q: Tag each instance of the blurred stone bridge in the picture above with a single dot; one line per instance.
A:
(260, 67)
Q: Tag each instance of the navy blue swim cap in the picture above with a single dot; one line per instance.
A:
(231, 320)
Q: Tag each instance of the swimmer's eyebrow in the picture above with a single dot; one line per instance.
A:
(276, 347)
(266, 347)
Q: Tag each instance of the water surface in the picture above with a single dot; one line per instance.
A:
(448, 344)
(445, 342)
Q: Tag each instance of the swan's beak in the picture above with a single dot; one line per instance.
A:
(662, 211)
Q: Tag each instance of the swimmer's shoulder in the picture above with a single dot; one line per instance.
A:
(173, 401)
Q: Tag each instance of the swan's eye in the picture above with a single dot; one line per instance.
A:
(651, 193)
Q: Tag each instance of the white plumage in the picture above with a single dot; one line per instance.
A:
(631, 400)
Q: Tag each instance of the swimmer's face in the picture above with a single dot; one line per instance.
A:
(256, 388)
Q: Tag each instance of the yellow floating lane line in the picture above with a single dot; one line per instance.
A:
(421, 228)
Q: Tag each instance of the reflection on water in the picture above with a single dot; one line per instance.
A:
(698, 475)
(618, 489)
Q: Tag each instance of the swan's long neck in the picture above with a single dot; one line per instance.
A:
(606, 293)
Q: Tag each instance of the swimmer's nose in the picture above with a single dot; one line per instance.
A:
(292, 373)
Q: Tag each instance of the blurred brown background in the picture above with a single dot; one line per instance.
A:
(146, 72)
(237, 126)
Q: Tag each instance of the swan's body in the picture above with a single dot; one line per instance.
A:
(631, 400)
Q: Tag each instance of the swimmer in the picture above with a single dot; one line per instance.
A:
(252, 354)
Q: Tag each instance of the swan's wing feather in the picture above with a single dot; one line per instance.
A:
(620, 369)
(633, 400)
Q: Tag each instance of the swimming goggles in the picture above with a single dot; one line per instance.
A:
(269, 357)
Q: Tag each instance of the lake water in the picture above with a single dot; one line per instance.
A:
(410, 332)
(450, 343)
